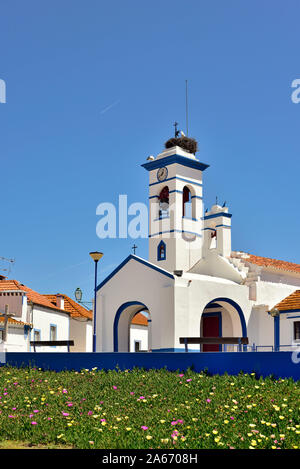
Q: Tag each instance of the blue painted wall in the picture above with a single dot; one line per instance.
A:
(279, 364)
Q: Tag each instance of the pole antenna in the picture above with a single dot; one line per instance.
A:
(186, 107)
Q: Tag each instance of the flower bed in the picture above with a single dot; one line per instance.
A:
(148, 409)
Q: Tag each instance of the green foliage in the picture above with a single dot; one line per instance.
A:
(147, 409)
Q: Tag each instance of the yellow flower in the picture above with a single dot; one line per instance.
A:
(127, 428)
(162, 421)
(148, 437)
(226, 421)
(164, 440)
(60, 436)
(253, 442)
(215, 432)
(281, 417)
(69, 424)
(217, 439)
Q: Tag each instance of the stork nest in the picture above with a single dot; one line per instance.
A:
(186, 143)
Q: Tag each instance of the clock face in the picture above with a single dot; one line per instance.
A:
(162, 174)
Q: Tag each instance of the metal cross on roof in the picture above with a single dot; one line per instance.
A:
(134, 248)
(176, 131)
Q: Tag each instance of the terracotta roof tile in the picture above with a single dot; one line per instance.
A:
(73, 308)
(291, 302)
(140, 320)
(268, 262)
(14, 321)
(32, 295)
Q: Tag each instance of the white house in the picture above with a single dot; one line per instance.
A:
(139, 333)
(37, 317)
(193, 284)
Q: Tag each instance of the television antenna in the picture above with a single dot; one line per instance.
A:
(10, 263)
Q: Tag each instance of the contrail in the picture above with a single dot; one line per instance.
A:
(109, 107)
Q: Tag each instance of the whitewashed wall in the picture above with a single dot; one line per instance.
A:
(42, 318)
(138, 333)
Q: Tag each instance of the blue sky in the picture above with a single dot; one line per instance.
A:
(94, 87)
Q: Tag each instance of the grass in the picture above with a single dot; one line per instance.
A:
(146, 409)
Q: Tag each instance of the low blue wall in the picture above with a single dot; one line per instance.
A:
(279, 364)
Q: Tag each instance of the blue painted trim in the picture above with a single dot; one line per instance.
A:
(159, 257)
(175, 231)
(217, 314)
(162, 218)
(223, 226)
(278, 364)
(276, 333)
(238, 309)
(289, 311)
(216, 215)
(180, 179)
(293, 317)
(189, 218)
(179, 192)
(138, 259)
(117, 318)
(53, 325)
(37, 330)
(212, 305)
(172, 159)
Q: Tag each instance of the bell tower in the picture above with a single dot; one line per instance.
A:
(175, 207)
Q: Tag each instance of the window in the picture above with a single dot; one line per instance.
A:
(164, 202)
(297, 330)
(137, 345)
(52, 332)
(161, 251)
(37, 335)
(187, 203)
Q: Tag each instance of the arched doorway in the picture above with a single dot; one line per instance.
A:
(222, 317)
(122, 325)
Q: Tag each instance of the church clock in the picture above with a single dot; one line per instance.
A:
(162, 174)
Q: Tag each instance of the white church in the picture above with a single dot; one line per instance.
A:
(193, 285)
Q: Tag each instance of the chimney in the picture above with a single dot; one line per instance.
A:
(60, 302)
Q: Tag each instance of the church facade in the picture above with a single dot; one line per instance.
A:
(193, 284)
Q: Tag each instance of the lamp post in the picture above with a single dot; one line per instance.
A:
(96, 256)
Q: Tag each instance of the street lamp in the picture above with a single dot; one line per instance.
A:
(96, 256)
(78, 294)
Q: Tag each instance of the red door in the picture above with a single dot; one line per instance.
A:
(210, 329)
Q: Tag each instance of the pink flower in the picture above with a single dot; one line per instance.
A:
(33, 423)
(69, 404)
(36, 411)
(90, 412)
(208, 400)
(11, 416)
(102, 420)
(181, 375)
(188, 380)
(115, 387)
(132, 393)
(49, 418)
(231, 418)
(65, 414)
(142, 397)
(144, 428)
(64, 391)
